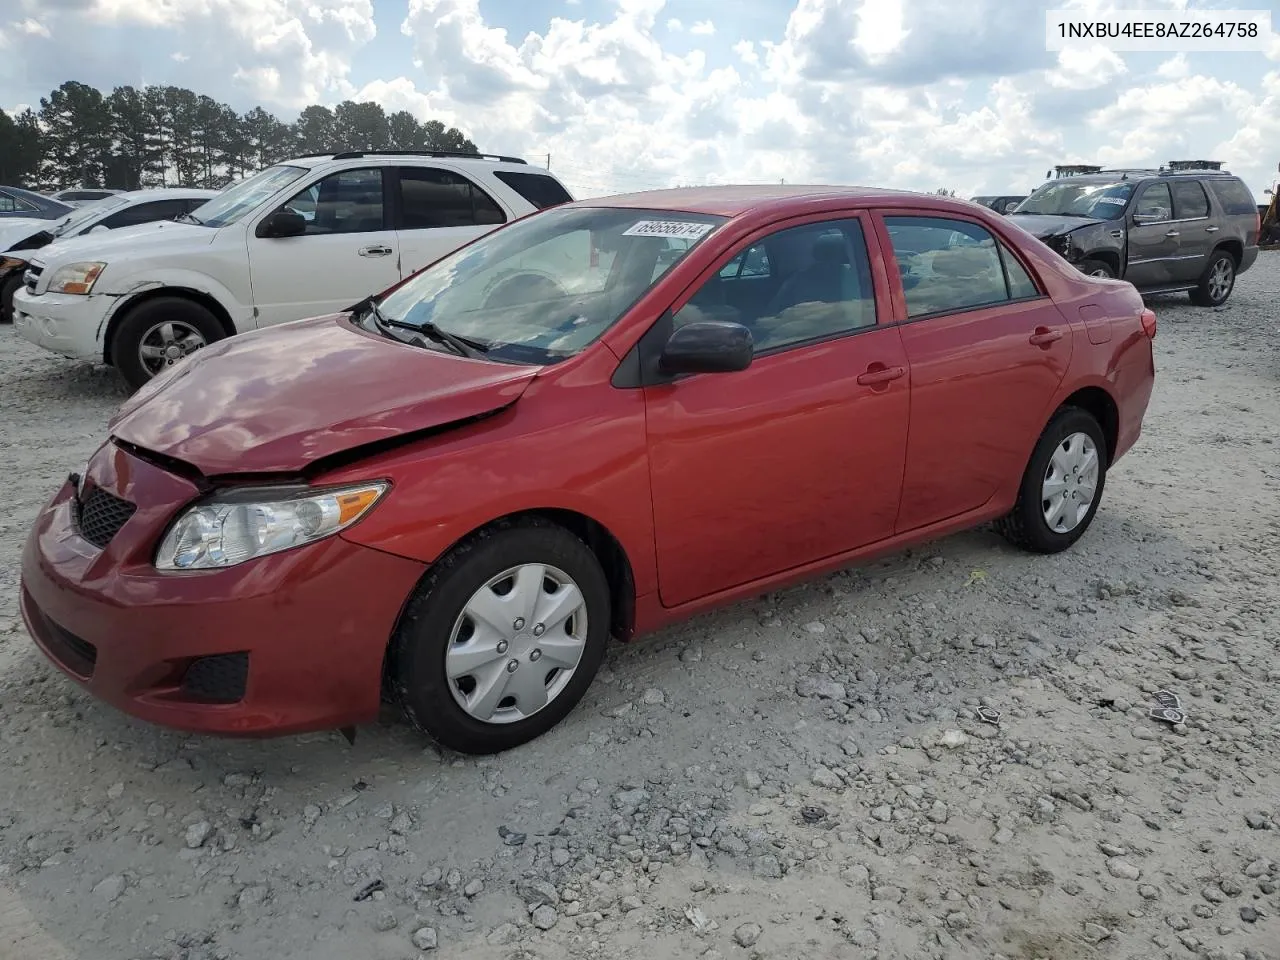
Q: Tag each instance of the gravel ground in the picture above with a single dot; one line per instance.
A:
(801, 776)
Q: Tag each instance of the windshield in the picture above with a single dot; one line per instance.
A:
(85, 214)
(236, 201)
(1103, 201)
(545, 287)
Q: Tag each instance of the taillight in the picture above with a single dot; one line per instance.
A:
(1149, 322)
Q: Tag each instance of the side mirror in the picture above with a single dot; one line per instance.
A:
(283, 223)
(708, 346)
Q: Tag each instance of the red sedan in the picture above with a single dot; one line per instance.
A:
(595, 421)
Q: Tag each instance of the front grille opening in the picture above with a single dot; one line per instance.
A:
(217, 679)
(101, 515)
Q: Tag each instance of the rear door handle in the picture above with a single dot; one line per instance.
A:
(879, 373)
(377, 250)
(1044, 336)
(1212, 229)
(1172, 233)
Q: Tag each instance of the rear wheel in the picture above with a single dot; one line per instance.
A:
(158, 333)
(1096, 268)
(8, 287)
(1062, 485)
(503, 638)
(1217, 281)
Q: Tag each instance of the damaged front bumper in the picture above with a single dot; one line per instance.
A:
(66, 324)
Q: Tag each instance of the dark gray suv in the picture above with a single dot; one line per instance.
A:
(1162, 230)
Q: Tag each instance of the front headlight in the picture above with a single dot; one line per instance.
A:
(77, 278)
(248, 523)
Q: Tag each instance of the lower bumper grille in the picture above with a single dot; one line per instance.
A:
(217, 679)
(74, 653)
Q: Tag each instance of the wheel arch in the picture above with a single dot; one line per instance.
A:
(602, 542)
(1110, 257)
(129, 303)
(1232, 246)
(1099, 404)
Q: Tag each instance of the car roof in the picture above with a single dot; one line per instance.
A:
(414, 157)
(732, 200)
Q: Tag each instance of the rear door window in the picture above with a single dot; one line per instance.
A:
(950, 265)
(1189, 201)
(431, 198)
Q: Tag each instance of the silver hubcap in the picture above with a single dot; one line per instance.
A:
(517, 643)
(1070, 483)
(167, 343)
(1099, 272)
(1220, 279)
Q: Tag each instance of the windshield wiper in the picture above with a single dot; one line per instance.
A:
(189, 216)
(462, 346)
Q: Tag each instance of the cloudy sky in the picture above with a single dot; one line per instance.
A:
(633, 94)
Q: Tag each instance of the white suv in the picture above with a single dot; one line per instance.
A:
(304, 238)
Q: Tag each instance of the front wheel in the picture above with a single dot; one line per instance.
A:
(1096, 268)
(158, 333)
(503, 638)
(1217, 282)
(1062, 485)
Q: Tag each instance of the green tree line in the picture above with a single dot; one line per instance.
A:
(169, 136)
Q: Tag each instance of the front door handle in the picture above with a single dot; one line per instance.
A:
(1043, 336)
(1172, 233)
(1212, 229)
(377, 250)
(879, 373)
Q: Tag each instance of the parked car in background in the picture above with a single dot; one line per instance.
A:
(1161, 230)
(298, 239)
(27, 205)
(80, 196)
(454, 493)
(18, 238)
(1000, 204)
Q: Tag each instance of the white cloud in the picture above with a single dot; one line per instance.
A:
(916, 94)
(32, 28)
(179, 57)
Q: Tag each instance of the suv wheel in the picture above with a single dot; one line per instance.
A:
(1096, 268)
(1218, 281)
(159, 333)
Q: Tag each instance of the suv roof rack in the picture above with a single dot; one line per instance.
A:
(1075, 169)
(357, 154)
(1194, 165)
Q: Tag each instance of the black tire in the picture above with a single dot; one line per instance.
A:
(8, 287)
(1025, 525)
(1094, 268)
(140, 320)
(1205, 295)
(421, 640)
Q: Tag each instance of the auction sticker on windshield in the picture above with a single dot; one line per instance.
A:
(680, 229)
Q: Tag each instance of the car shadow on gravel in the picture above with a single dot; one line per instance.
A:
(38, 385)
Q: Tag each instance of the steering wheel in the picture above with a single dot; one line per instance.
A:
(521, 287)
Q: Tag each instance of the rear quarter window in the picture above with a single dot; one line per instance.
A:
(1234, 196)
(537, 188)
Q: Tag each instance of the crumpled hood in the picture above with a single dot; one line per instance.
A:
(16, 229)
(140, 240)
(1043, 225)
(278, 399)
